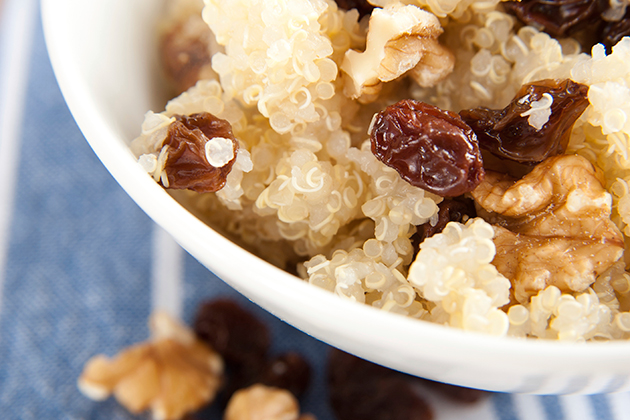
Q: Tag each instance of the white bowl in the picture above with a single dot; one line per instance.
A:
(104, 56)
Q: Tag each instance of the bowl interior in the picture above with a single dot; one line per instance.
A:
(104, 56)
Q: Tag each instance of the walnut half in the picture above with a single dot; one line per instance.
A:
(172, 374)
(400, 38)
(552, 227)
(260, 402)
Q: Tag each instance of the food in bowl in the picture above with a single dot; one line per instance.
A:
(460, 162)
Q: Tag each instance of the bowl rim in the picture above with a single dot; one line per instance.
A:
(567, 357)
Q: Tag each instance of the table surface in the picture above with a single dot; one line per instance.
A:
(82, 267)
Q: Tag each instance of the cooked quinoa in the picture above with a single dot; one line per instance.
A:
(304, 177)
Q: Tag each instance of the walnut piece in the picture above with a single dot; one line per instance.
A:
(436, 63)
(173, 373)
(260, 402)
(400, 38)
(552, 227)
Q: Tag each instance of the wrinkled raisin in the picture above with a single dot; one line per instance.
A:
(612, 32)
(184, 52)
(288, 371)
(558, 18)
(239, 377)
(509, 134)
(360, 390)
(239, 337)
(457, 209)
(344, 368)
(386, 399)
(234, 333)
(243, 342)
(187, 164)
(363, 7)
(430, 148)
(584, 20)
(457, 393)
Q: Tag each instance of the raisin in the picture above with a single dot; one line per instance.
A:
(185, 51)
(360, 390)
(558, 18)
(457, 393)
(288, 371)
(238, 336)
(187, 165)
(386, 399)
(430, 148)
(239, 377)
(363, 7)
(363, 390)
(508, 133)
(584, 20)
(457, 209)
(243, 342)
(344, 368)
(612, 32)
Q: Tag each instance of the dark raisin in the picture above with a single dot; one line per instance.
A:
(386, 399)
(234, 333)
(558, 18)
(185, 51)
(363, 390)
(288, 371)
(187, 166)
(612, 32)
(508, 134)
(582, 19)
(239, 376)
(457, 393)
(457, 209)
(363, 7)
(430, 148)
(239, 337)
(360, 390)
(345, 368)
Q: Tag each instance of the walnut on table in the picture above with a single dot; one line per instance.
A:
(400, 39)
(552, 227)
(260, 402)
(172, 374)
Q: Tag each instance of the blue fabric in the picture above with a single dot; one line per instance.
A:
(601, 407)
(504, 407)
(68, 292)
(77, 276)
(552, 408)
